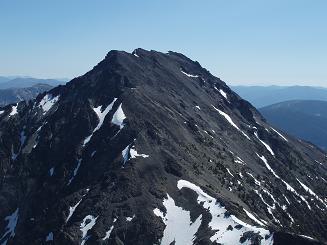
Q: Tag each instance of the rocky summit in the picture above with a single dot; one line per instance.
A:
(150, 148)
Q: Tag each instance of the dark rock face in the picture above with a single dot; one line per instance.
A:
(150, 148)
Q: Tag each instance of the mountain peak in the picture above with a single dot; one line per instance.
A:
(147, 140)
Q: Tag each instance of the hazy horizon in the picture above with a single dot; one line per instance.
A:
(245, 84)
(237, 41)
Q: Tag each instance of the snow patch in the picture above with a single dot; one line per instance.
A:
(118, 117)
(257, 182)
(22, 139)
(269, 207)
(220, 222)
(51, 171)
(125, 154)
(47, 102)
(134, 153)
(49, 237)
(223, 93)
(135, 54)
(286, 199)
(280, 135)
(288, 186)
(13, 110)
(75, 171)
(11, 226)
(130, 152)
(13, 155)
(229, 172)
(319, 162)
(86, 225)
(239, 161)
(265, 144)
(208, 134)
(308, 237)
(311, 192)
(72, 210)
(267, 165)
(101, 114)
(175, 218)
(251, 216)
(129, 219)
(189, 75)
(107, 236)
(228, 118)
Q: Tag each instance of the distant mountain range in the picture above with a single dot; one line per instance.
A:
(13, 95)
(4, 79)
(297, 110)
(15, 89)
(261, 96)
(304, 119)
(24, 82)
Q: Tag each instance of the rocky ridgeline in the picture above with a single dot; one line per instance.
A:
(150, 148)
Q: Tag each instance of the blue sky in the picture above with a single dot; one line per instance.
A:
(242, 42)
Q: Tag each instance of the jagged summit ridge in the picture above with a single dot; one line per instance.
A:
(143, 140)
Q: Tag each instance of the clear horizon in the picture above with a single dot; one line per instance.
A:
(256, 41)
